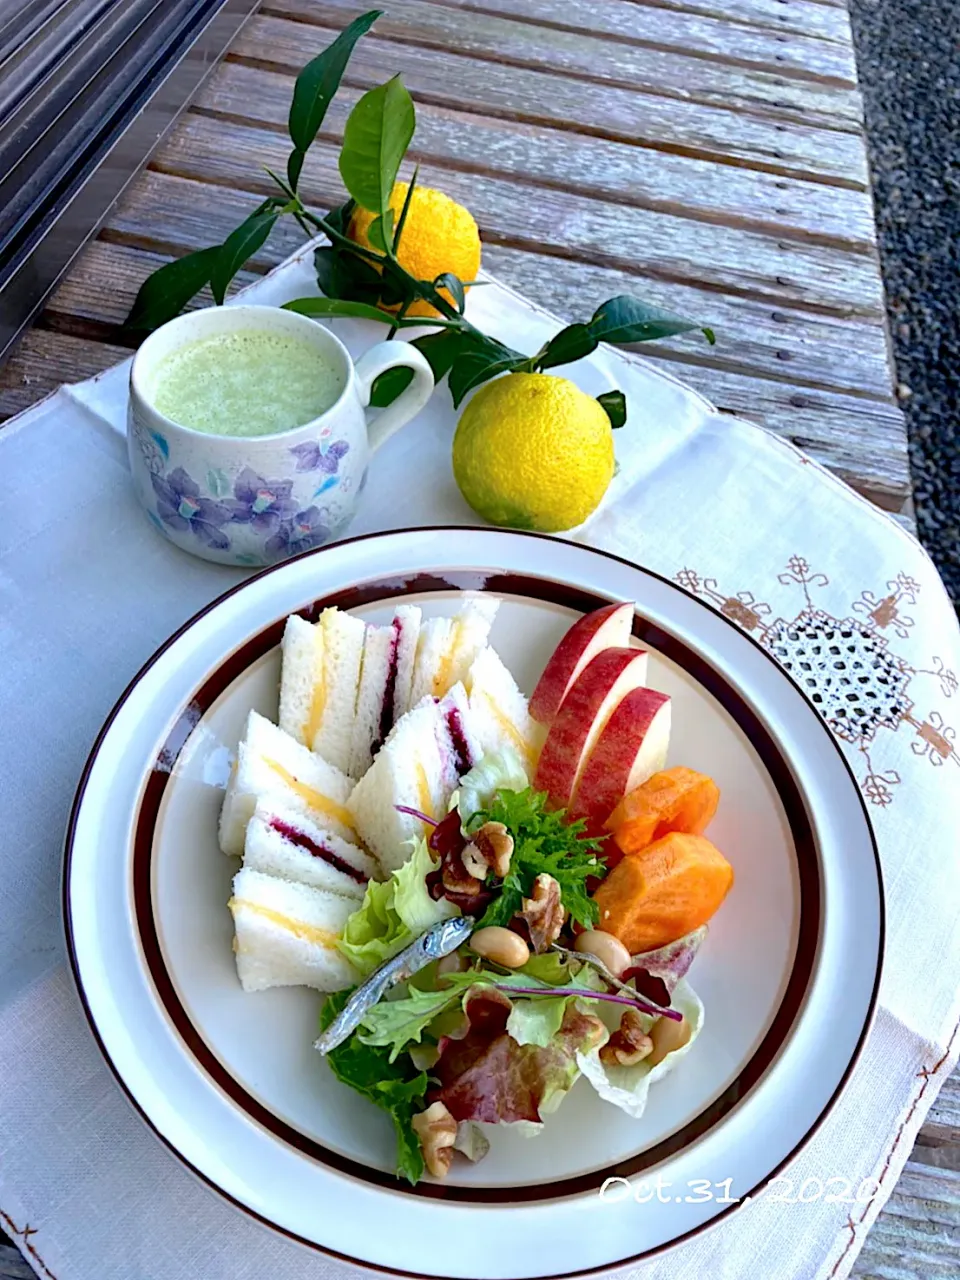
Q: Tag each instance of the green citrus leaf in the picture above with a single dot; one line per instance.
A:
(239, 246)
(167, 291)
(339, 218)
(375, 140)
(380, 231)
(401, 221)
(454, 286)
(441, 349)
(341, 274)
(572, 343)
(624, 319)
(387, 386)
(614, 404)
(315, 87)
(479, 363)
(336, 307)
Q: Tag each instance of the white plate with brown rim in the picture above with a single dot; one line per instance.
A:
(230, 1081)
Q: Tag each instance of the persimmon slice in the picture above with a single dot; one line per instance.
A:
(666, 890)
(677, 799)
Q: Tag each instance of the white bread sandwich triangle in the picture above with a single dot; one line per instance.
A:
(448, 647)
(418, 767)
(498, 710)
(286, 934)
(318, 683)
(271, 764)
(281, 842)
(386, 676)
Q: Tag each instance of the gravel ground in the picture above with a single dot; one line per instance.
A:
(908, 53)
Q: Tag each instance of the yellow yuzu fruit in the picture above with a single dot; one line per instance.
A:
(533, 451)
(438, 235)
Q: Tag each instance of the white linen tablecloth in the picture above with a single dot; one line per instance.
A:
(88, 589)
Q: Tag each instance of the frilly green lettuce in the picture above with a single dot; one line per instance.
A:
(501, 770)
(536, 1021)
(393, 913)
(627, 1087)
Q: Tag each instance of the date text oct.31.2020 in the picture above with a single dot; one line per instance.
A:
(658, 1190)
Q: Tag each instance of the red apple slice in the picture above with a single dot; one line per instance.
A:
(589, 635)
(604, 682)
(631, 748)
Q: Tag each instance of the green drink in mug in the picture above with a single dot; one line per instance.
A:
(247, 435)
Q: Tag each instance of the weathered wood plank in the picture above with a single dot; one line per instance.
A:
(656, 244)
(666, 73)
(640, 24)
(942, 1126)
(94, 299)
(917, 1236)
(827, 19)
(783, 343)
(12, 1264)
(537, 95)
(629, 175)
(167, 214)
(43, 360)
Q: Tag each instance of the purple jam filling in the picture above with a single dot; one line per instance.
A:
(461, 750)
(303, 841)
(387, 709)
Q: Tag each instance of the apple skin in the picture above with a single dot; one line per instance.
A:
(631, 748)
(604, 628)
(599, 688)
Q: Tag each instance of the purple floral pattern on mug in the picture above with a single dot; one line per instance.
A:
(264, 504)
(320, 455)
(305, 531)
(182, 507)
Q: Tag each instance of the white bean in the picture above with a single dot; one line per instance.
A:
(500, 945)
(608, 949)
(667, 1035)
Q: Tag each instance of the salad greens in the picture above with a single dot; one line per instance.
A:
(395, 1023)
(537, 1021)
(627, 1087)
(495, 1045)
(393, 913)
(396, 1087)
(543, 842)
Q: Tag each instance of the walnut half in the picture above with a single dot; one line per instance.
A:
(490, 849)
(543, 912)
(629, 1044)
(437, 1131)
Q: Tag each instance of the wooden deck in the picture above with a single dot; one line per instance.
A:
(707, 155)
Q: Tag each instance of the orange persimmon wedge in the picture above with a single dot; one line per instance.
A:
(677, 799)
(668, 889)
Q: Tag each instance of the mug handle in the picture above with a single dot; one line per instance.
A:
(388, 355)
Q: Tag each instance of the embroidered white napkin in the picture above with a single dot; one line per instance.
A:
(88, 590)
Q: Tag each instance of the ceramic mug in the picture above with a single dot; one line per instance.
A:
(251, 500)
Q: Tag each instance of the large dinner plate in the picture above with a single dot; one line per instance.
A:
(788, 974)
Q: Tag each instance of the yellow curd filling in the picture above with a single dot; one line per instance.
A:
(424, 798)
(441, 679)
(308, 932)
(318, 701)
(510, 729)
(315, 799)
